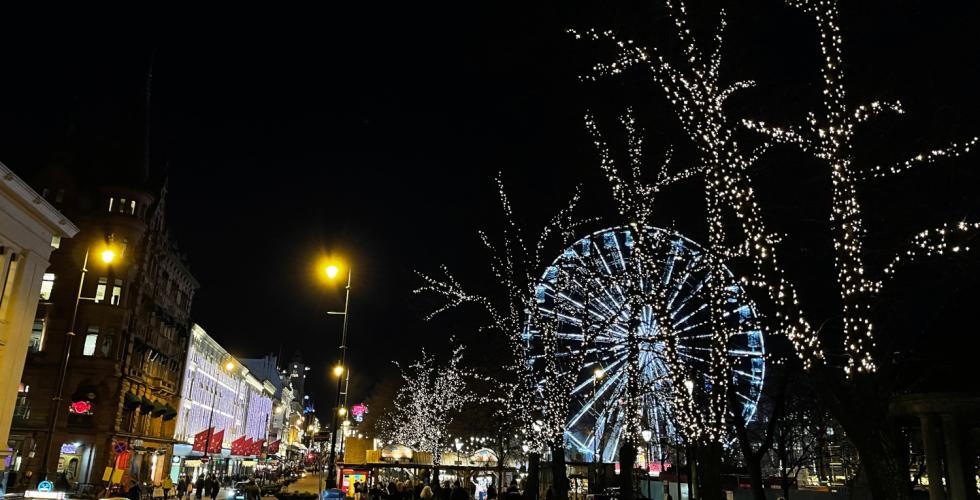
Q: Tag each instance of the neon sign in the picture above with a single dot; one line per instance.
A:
(359, 410)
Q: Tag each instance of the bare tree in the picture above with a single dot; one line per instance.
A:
(859, 394)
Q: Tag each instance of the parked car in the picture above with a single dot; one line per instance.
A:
(240, 490)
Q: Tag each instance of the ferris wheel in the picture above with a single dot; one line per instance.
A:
(586, 283)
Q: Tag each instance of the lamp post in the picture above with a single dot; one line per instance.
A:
(332, 271)
(597, 375)
(107, 255)
(689, 384)
(215, 397)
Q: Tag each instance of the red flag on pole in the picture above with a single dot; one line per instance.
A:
(236, 446)
(247, 446)
(216, 439)
(201, 440)
(257, 447)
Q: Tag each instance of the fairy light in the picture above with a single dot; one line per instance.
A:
(431, 396)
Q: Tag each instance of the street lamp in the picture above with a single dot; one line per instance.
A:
(108, 255)
(332, 270)
(229, 367)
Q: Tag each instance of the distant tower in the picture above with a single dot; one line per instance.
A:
(297, 375)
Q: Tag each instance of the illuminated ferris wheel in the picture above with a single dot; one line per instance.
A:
(588, 280)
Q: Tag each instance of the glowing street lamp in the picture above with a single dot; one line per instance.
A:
(332, 270)
(108, 255)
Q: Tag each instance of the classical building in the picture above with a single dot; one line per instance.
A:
(221, 393)
(267, 368)
(30, 228)
(132, 326)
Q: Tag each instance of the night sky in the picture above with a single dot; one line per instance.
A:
(376, 132)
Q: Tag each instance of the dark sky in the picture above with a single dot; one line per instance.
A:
(376, 131)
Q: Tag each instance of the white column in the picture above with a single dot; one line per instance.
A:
(930, 442)
(954, 459)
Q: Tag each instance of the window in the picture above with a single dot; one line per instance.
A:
(37, 336)
(59, 195)
(100, 290)
(91, 340)
(132, 207)
(47, 284)
(45, 193)
(116, 292)
(111, 201)
(106, 346)
(122, 205)
(56, 242)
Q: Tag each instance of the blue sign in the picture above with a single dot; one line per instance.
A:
(45, 486)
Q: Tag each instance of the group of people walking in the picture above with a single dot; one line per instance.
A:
(416, 490)
(205, 486)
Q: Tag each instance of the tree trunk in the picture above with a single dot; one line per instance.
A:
(881, 466)
(559, 474)
(755, 477)
(533, 476)
(627, 457)
(709, 472)
(859, 409)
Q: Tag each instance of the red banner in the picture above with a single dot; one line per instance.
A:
(237, 446)
(201, 440)
(273, 447)
(216, 439)
(247, 446)
(257, 447)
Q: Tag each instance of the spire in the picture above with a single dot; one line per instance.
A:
(146, 126)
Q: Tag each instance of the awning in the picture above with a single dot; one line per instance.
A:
(131, 401)
(146, 405)
(170, 413)
(158, 409)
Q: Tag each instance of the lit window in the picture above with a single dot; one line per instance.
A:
(122, 205)
(100, 290)
(37, 336)
(47, 284)
(56, 242)
(132, 207)
(111, 201)
(91, 340)
(116, 292)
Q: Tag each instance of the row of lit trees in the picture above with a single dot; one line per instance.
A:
(738, 237)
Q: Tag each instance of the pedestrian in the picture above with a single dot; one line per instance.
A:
(458, 492)
(491, 492)
(426, 493)
(181, 488)
(134, 490)
(215, 486)
(167, 484)
(199, 486)
(252, 491)
(513, 492)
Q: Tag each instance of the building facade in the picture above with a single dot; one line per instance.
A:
(221, 393)
(30, 229)
(132, 328)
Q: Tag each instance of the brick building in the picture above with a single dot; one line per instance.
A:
(121, 392)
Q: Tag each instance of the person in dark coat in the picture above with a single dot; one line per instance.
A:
(199, 486)
(134, 492)
(213, 487)
(491, 492)
(513, 493)
(181, 488)
(458, 492)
